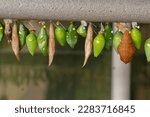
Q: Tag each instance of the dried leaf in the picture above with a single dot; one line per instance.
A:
(15, 40)
(8, 31)
(88, 43)
(51, 43)
(126, 48)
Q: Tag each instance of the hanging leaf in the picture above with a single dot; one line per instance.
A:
(126, 48)
(60, 34)
(51, 43)
(117, 39)
(88, 43)
(8, 31)
(147, 49)
(23, 32)
(108, 36)
(15, 40)
(31, 41)
(136, 37)
(1, 32)
(43, 40)
(71, 35)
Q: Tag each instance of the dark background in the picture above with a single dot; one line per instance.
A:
(65, 79)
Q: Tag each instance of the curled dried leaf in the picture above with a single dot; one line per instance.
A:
(88, 43)
(8, 31)
(51, 43)
(15, 41)
(126, 48)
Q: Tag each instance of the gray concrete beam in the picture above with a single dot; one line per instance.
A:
(90, 10)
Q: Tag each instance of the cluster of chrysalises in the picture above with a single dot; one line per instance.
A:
(125, 43)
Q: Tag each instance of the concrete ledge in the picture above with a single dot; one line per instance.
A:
(90, 10)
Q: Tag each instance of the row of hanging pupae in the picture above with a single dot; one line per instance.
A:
(125, 43)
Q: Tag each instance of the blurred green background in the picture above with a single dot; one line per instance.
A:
(65, 79)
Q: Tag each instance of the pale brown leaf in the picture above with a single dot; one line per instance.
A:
(8, 31)
(15, 41)
(88, 43)
(51, 43)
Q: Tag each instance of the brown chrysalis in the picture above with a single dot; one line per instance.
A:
(126, 48)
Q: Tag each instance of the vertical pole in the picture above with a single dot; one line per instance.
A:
(120, 84)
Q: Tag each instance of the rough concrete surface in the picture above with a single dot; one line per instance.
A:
(90, 10)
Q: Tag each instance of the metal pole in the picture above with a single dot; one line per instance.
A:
(120, 87)
(76, 10)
